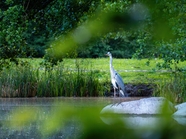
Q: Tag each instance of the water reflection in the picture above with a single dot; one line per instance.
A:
(139, 121)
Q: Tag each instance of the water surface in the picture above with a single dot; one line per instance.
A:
(45, 107)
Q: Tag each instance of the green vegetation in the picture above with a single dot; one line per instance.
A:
(60, 29)
(56, 30)
(130, 69)
(126, 28)
(87, 77)
(28, 81)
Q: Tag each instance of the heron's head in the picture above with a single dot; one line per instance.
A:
(109, 54)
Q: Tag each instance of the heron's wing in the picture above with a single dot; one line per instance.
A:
(120, 85)
(119, 81)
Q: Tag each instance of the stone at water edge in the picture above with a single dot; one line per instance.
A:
(152, 105)
(181, 109)
(180, 114)
(139, 114)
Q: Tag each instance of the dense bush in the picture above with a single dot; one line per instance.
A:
(138, 29)
(122, 45)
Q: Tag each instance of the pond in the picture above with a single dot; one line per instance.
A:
(45, 105)
(72, 128)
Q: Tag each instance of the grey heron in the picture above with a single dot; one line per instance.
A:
(116, 80)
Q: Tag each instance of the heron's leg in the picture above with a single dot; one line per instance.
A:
(114, 92)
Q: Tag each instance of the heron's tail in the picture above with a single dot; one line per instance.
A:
(122, 94)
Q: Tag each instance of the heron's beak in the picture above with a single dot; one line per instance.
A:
(106, 54)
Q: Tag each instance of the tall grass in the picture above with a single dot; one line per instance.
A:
(63, 81)
(18, 81)
(173, 88)
(25, 81)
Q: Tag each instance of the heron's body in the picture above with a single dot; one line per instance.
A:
(116, 80)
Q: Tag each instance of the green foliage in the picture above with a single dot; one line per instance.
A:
(167, 30)
(172, 54)
(94, 50)
(27, 30)
(5, 63)
(12, 26)
(50, 59)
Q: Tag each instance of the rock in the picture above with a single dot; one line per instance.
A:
(181, 110)
(180, 114)
(141, 113)
(152, 106)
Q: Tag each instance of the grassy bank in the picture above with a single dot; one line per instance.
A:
(131, 70)
(86, 77)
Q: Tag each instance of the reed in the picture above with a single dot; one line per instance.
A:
(173, 88)
(25, 81)
(81, 80)
(18, 81)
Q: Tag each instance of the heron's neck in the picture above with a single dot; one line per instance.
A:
(111, 67)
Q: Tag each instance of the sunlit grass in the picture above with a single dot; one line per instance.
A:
(103, 63)
(131, 70)
(119, 64)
